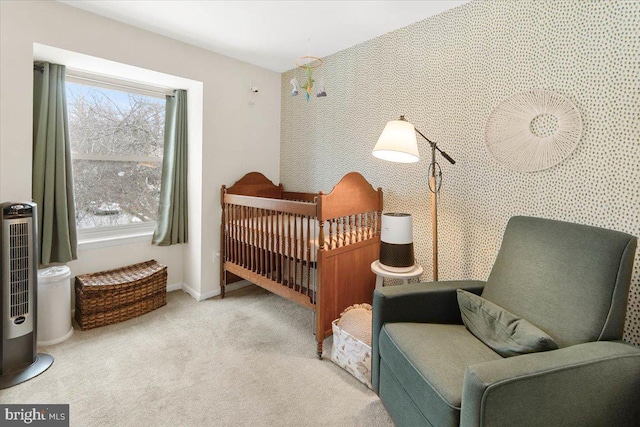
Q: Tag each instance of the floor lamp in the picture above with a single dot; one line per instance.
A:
(398, 143)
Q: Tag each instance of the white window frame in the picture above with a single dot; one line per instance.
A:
(101, 237)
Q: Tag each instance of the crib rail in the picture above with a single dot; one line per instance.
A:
(301, 197)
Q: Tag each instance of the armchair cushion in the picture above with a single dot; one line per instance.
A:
(429, 362)
(433, 302)
(507, 334)
(591, 384)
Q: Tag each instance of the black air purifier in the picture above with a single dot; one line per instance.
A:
(19, 360)
(396, 243)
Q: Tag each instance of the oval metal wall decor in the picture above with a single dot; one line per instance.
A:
(533, 130)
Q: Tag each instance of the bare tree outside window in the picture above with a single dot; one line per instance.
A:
(117, 141)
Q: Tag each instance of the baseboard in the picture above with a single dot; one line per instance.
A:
(197, 295)
(175, 287)
(201, 297)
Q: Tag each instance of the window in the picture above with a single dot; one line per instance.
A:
(117, 141)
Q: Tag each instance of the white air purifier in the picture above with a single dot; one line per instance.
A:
(396, 246)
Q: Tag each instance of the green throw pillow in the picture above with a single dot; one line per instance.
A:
(507, 334)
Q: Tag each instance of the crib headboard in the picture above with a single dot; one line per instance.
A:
(352, 195)
(255, 184)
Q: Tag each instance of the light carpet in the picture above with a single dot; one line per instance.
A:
(247, 359)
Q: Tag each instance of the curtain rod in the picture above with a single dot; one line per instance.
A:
(121, 85)
(108, 81)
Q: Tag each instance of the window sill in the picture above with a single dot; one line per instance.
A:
(116, 236)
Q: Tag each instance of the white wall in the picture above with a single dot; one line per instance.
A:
(236, 137)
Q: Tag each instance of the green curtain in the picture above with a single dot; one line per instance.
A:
(172, 226)
(52, 179)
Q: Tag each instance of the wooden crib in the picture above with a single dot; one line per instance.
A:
(313, 248)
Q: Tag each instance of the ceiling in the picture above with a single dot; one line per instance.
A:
(270, 34)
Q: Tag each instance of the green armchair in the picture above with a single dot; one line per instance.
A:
(569, 280)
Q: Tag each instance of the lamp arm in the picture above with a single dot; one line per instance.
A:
(434, 145)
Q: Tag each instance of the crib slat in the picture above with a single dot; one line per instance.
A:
(245, 237)
(276, 246)
(228, 242)
(263, 246)
(259, 246)
(234, 221)
(285, 249)
(353, 230)
(255, 242)
(321, 234)
(233, 233)
(258, 231)
(336, 235)
(234, 239)
(346, 236)
(250, 244)
(224, 230)
(229, 235)
(374, 223)
(236, 243)
(225, 233)
(239, 234)
(247, 231)
(295, 251)
(242, 237)
(236, 226)
(289, 250)
(270, 242)
(281, 249)
(255, 232)
(308, 255)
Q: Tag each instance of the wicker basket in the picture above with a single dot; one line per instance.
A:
(117, 295)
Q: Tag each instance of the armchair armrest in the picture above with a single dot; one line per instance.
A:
(595, 383)
(433, 302)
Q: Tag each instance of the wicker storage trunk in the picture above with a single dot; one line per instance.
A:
(117, 295)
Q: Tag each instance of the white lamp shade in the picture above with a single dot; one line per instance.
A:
(397, 143)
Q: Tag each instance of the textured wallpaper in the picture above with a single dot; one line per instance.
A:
(446, 74)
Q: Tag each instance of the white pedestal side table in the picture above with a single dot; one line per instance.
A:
(382, 273)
